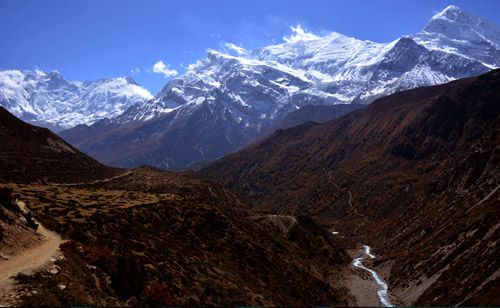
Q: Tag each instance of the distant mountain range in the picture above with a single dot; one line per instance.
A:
(225, 101)
(49, 100)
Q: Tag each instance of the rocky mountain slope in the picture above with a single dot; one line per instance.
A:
(225, 101)
(35, 154)
(146, 237)
(315, 113)
(49, 100)
(417, 174)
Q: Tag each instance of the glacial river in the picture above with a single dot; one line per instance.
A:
(382, 292)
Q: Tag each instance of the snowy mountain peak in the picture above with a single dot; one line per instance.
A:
(452, 12)
(462, 33)
(458, 24)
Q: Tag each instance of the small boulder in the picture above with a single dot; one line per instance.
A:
(53, 270)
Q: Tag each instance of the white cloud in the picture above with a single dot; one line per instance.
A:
(299, 34)
(195, 65)
(39, 72)
(238, 49)
(135, 70)
(161, 68)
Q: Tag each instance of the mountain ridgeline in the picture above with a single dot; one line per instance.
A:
(417, 173)
(226, 101)
(35, 154)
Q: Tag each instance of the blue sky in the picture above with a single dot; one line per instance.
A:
(91, 39)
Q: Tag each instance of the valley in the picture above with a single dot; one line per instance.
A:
(184, 240)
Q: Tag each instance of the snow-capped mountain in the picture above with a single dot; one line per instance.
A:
(47, 99)
(251, 90)
(331, 69)
(234, 98)
(458, 32)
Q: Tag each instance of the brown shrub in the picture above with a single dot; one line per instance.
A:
(157, 293)
(102, 257)
(68, 245)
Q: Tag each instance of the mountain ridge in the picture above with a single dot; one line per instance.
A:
(35, 154)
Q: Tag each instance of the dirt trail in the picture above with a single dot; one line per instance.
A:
(33, 258)
(353, 207)
(27, 261)
(96, 181)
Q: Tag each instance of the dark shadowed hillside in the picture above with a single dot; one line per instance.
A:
(416, 173)
(33, 154)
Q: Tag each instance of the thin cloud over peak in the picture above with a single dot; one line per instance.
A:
(161, 68)
(237, 49)
(299, 34)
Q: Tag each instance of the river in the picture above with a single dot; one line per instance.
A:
(382, 292)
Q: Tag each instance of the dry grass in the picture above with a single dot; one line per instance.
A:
(76, 204)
